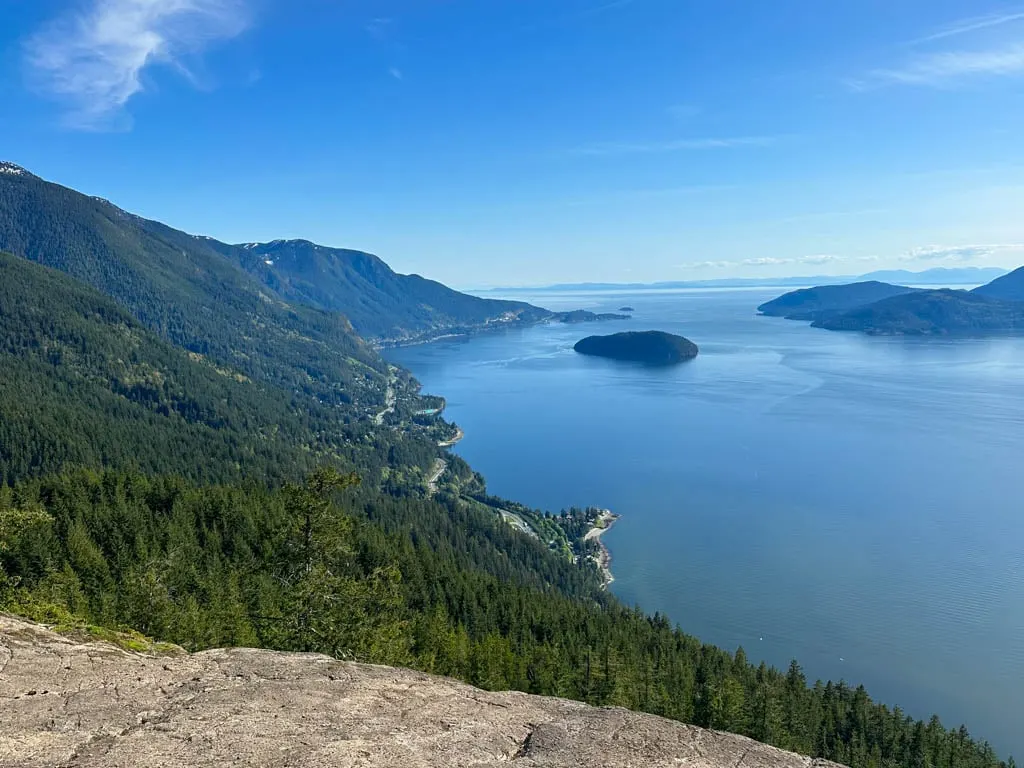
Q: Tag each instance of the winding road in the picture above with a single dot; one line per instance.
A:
(439, 469)
(389, 398)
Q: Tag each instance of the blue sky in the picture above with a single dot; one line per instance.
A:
(522, 142)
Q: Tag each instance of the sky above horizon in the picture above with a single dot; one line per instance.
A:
(526, 142)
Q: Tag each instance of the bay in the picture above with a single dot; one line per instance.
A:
(851, 502)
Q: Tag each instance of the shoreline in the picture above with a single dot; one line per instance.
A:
(459, 434)
(603, 558)
(606, 519)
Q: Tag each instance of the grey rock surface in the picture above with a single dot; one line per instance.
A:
(69, 703)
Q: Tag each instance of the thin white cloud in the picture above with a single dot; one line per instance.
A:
(939, 68)
(949, 67)
(707, 265)
(765, 261)
(395, 72)
(93, 60)
(821, 258)
(960, 253)
(966, 26)
(680, 145)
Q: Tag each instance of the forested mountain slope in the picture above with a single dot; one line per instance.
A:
(289, 570)
(179, 287)
(381, 304)
(85, 384)
(171, 280)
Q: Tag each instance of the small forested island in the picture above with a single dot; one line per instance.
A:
(585, 316)
(626, 309)
(651, 347)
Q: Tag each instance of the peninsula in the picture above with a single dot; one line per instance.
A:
(602, 558)
(931, 313)
(650, 347)
(881, 309)
(824, 300)
(586, 316)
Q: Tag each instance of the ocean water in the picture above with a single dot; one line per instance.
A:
(852, 502)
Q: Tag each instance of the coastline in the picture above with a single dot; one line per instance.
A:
(601, 525)
(459, 434)
(603, 558)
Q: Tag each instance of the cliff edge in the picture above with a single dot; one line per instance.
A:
(64, 702)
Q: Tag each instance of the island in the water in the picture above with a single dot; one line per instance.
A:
(931, 313)
(882, 309)
(585, 316)
(650, 347)
(815, 303)
(626, 309)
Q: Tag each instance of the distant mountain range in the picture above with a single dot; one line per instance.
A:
(935, 276)
(880, 308)
(938, 276)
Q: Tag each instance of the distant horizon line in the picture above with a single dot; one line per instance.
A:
(783, 281)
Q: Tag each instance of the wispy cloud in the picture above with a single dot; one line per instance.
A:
(395, 72)
(960, 253)
(974, 24)
(679, 145)
(941, 68)
(93, 60)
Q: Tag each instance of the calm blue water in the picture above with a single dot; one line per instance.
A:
(851, 502)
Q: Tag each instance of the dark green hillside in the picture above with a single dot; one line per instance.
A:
(84, 383)
(289, 569)
(381, 304)
(932, 313)
(811, 303)
(184, 290)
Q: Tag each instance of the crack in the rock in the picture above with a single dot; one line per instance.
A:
(526, 744)
(9, 659)
(490, 703)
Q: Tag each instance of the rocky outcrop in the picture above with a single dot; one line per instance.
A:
(65, 702)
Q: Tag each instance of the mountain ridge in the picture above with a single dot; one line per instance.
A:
(931, 313)
(1009, 287)
(383, 305)
(881, 309)
(812, 303)
(933, 276)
